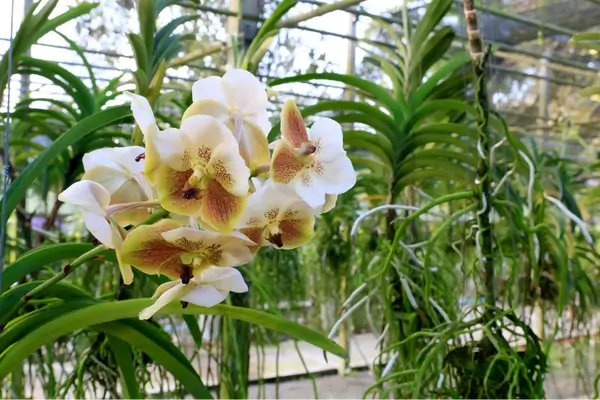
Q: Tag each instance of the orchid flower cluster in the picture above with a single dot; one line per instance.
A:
(228, 192)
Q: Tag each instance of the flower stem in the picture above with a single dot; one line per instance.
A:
(69, 268)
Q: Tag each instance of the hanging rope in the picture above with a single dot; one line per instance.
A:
(6, 145)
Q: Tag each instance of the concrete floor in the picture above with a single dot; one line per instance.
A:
(353, 386)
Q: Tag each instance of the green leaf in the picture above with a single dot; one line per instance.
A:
(462, 177)
(424, 90)
(62, 77)
(436, 10)
(441, 159)
(590, 91)
(142, 58)
(379, 93)
(391, 70)
(374, 142)
(33, 27)
(22, 325)
(59, 290)
(180, 370)
(61, 104)
(191, 321)
(124, 356)
(84, 60)
(88, 125)
(432, 107)
(114, 311)
(147, 19)
(433, 51)
(586, 36)
(165, 32)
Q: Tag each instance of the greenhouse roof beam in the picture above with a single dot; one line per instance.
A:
(498, 45)
(540, 25)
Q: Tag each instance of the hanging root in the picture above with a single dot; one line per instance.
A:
(409, 294)
(390, 365)
(440, 310)
(572, 217)
(355, 307)
(358, 221)
(503, 180)
(383, 334)
(353, 295)
(536, 241)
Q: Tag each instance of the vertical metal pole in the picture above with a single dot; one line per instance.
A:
(26, 78)
(544, 136)
(346, 328)
(241, 31)
(233, 23)
(235, 335)
(544, 98)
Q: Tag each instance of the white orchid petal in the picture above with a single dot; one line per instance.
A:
(204, 296)
(100, 228)
(88, 195)
(261, 120)
(242, 237)
(170, 146)
(327, 135)
(330, 201)
(111, 179)
(207, 131)
(253, 144)
(258, 202)
(234, 255)
(122, 158)
(224, 279)
(244, 92)
(309, 189)
(142, 112)
(209, 88)
(174, 293)
(165, 286)
(337, 176)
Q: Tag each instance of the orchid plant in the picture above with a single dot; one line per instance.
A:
(226, 195)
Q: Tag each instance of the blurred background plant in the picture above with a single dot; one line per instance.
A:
(400, 260)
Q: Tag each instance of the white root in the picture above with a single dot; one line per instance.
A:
(572, 217)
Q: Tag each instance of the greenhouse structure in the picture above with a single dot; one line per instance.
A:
(299, 199)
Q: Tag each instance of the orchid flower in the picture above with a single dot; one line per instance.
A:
(153, 136)
(313, 162)
(207, 289)
(197, 169)
(239, 100)
(168, 248)
(275, 215)
(117, 170)
(99, 217)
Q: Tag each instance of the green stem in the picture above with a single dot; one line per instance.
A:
(69, 268)
(481, 102)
